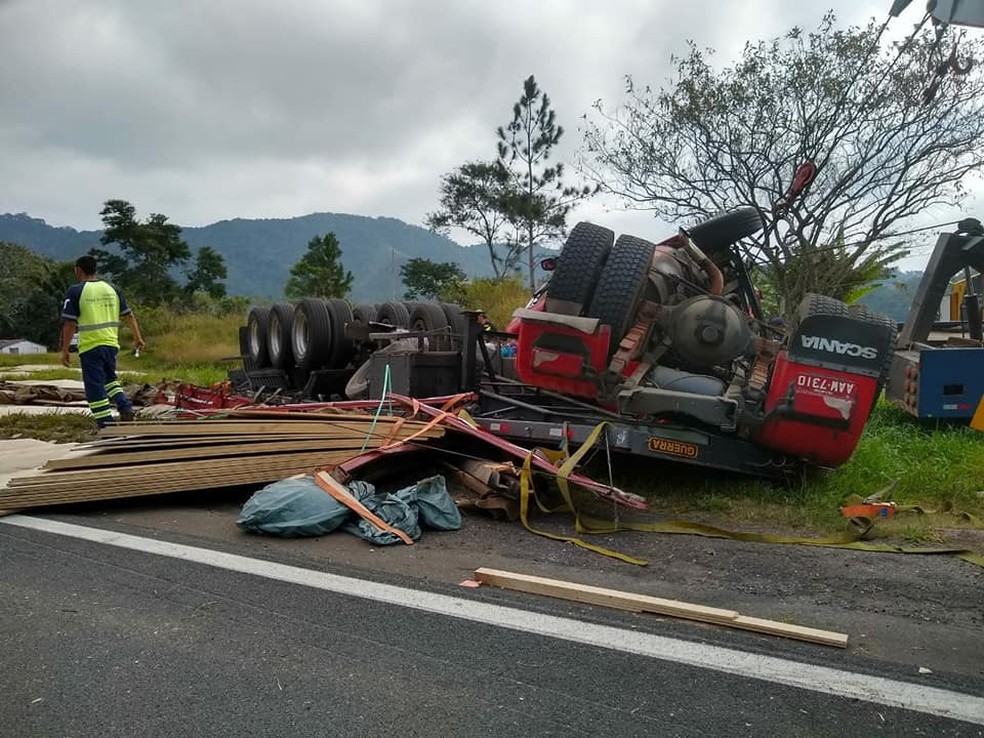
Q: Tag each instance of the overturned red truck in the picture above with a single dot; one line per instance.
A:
(665, 342)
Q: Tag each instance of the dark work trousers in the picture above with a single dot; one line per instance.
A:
(101, 384)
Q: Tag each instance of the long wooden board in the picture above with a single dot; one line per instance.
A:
(292, 427)
(656, 605)
(120, 459)
(65, 487)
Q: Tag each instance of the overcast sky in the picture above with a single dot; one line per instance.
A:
(220, 109)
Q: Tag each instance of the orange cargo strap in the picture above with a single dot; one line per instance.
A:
(330, 485)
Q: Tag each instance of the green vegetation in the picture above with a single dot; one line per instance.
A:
(939, 468)
(429, 280)
(497, 297)
(146, 254)
(319, 273)
(54, 428)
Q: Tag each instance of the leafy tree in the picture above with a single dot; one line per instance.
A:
(472, 198)
(320, 273)
(208, 275)
(147, 253)
(885, 150)
(537, 202)
(430, 279)
(31, 291)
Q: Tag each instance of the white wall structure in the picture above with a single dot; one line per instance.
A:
(21, 346)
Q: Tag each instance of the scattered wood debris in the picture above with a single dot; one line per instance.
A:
(656, 605)
(149, 458)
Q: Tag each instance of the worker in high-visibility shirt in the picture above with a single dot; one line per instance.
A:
(94, 309)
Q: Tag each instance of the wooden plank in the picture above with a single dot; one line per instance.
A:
(126, 443)
(601, 596)
(143, 485)
(312, 460)
(644, 603)
(119, 459)
(204, 429)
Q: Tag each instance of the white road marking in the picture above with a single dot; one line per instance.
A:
(837, 682)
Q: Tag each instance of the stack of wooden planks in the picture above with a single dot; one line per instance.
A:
(149, 458)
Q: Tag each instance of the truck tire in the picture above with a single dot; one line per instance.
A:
(364, 313)
(572, 284)
(394, 314)
(278, 336)
(719, 232)
(342, 348)
(622, 286)
(311, 334)
(431, 318)
(257, 328)
(457, 321)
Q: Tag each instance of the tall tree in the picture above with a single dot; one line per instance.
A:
(537, 202)
(473, 198)
(208, 274)
(31, 291)
(430, 279)
(320, 273)
(892, 130)
(146, 253)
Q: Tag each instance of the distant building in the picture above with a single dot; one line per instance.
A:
(21, 346)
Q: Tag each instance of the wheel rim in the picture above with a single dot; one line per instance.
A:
(275, 344)
(301, 341)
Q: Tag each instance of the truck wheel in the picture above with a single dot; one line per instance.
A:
(572, 283)
(278, 336)
(342, 347)
(719, 232)
(394, 314)
(364, 313)
(430, 318)
(311, 334)
(257, 327)
(622, 286)
(457, 321)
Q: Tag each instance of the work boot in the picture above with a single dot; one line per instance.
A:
(126, 414)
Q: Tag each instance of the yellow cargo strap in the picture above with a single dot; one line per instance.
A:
(850, 539)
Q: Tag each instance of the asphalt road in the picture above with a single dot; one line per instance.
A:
(101, 640)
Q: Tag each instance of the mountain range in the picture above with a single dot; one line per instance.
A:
(260, 252)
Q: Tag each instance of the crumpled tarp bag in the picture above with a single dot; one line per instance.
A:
(398, 509)
(427, 502)
(292, 508)
(435, 504)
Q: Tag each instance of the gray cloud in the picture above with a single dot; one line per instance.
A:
(242, 108)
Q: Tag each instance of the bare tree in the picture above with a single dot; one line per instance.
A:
(893, 131)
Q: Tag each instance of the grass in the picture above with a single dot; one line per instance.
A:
(54, 428)
(939, 468)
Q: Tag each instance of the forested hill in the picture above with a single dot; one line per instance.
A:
(259, 253)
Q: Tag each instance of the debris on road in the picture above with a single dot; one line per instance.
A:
(655, 605)
(149, 458)
(300, 507)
